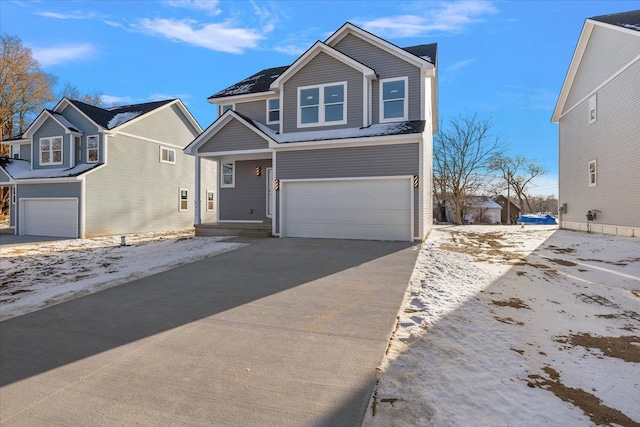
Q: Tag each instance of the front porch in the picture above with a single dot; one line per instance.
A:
(235, 229)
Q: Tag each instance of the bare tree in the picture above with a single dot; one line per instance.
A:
(518, 173)
(461, 154)
(25, 88)
(72, 92)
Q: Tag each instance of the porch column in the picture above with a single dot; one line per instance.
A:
(197, 218)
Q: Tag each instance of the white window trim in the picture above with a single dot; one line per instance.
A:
(232, 107)
(97, 148)
(233, 175)
(595, 173)
(15, 149)
(405, 116)
(274, 122)
(168, 150)
(51, 138)
(321, 105)
(206, 200)
(593, 106)
(180, 199)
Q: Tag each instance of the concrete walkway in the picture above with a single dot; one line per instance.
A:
(283, 332)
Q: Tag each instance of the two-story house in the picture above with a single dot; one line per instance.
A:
(598, 113)
(336, 145)
(85, 171)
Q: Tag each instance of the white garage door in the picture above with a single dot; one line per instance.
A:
(49, 217)
(372, 209)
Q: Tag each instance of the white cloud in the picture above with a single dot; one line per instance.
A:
(208, 6)
(444, 18)
(76, 14)
(291, 49)
(116, 100)
(49, 56)
(450, 73)
(223, 37)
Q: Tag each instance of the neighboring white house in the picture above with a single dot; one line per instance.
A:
(479, 210)
(598, 113)
(84, 171)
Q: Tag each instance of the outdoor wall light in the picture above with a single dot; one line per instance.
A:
(258, 171)
(416, 181)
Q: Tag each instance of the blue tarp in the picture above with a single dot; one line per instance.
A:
(537, 219)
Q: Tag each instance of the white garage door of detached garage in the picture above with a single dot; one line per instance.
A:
(49, 217)
(371, 209)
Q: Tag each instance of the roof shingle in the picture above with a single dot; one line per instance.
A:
(630, 20)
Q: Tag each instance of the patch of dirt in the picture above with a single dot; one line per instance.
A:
(626, 348)
(622, 263)
(520, 352)
(627, 314)
(562, 262)
(590, 404)
(635, 293)
(561, 250)
(509, 321)
(511, 302)
(521, 273)
(597, 299)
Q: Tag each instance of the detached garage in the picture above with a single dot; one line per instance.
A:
(359, 208)
(49, 217)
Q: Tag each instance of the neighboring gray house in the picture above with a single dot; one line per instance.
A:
(85, 171)
(598, 113)
(336, 145)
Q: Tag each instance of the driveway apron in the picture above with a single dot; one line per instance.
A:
(282, 332)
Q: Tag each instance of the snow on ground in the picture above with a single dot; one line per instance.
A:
(35, 276)
(512, 326)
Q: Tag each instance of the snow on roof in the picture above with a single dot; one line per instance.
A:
(482, 202)
(630, 20)
(121, 118)
(20, 169)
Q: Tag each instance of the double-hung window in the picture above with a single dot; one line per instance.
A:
(322, 105)
(92, 149)
(393, 100)
(228, 175)
(593, 174)
(51, 150)
(183, 200)
(167, 155)
(273, 111)
(210, 200)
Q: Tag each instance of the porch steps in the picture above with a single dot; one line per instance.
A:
(238, 229)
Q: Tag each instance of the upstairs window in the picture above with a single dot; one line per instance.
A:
(15, 152)
(228, 175)
(92, 149)
(51, 150)
(593, 173)
(273, 111)
(393, 100)
(225, 107)
(167, 155)
(322, 105)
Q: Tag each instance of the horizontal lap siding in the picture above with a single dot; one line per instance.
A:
(601, 60)
(386, 65)
(257, 110)
(233, 137)
(249, 193)
(320, 70)
(612, 140)
(353, 162)
(88, 129)
(169, 124)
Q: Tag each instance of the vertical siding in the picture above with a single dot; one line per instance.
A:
(323, 69)
(607, 52)
(386, 66)
(48, 129)
(381, 160)
(168, 124)
(613, 140)
(232, 137)
(247, 201)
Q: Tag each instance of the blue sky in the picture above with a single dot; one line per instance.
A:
(504, 59)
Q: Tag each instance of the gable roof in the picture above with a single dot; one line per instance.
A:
(50, 114)
(628, 22)
(109, 118)
(259, 82)
(19, 169)
(424, 51)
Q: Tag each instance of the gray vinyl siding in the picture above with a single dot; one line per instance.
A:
(50, 128)
(607, 52)
(352, 162)
(256, 110)
(234, 136)
(247, 201)
(386, 66)
(4, 177)
(168, 124)
(612, 140)
(25, 151)
(320, 70)
(49, 191)
(87, 128)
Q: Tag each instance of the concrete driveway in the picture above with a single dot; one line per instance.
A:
(283, 332)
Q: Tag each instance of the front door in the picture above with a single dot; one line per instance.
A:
(269, 192)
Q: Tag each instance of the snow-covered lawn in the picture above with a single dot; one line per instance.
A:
(511, 326)
(35, 276)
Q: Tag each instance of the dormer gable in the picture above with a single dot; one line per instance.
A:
(66, 125)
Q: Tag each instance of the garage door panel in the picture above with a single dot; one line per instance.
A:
(50, 217)
(378, 209)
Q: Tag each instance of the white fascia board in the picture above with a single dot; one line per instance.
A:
(64, 102)
(234, 153)
(320, 47)
(242, 98)
(23, 141)
(349, 28)
(581, 46)
(48, 180)
(349, 142)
